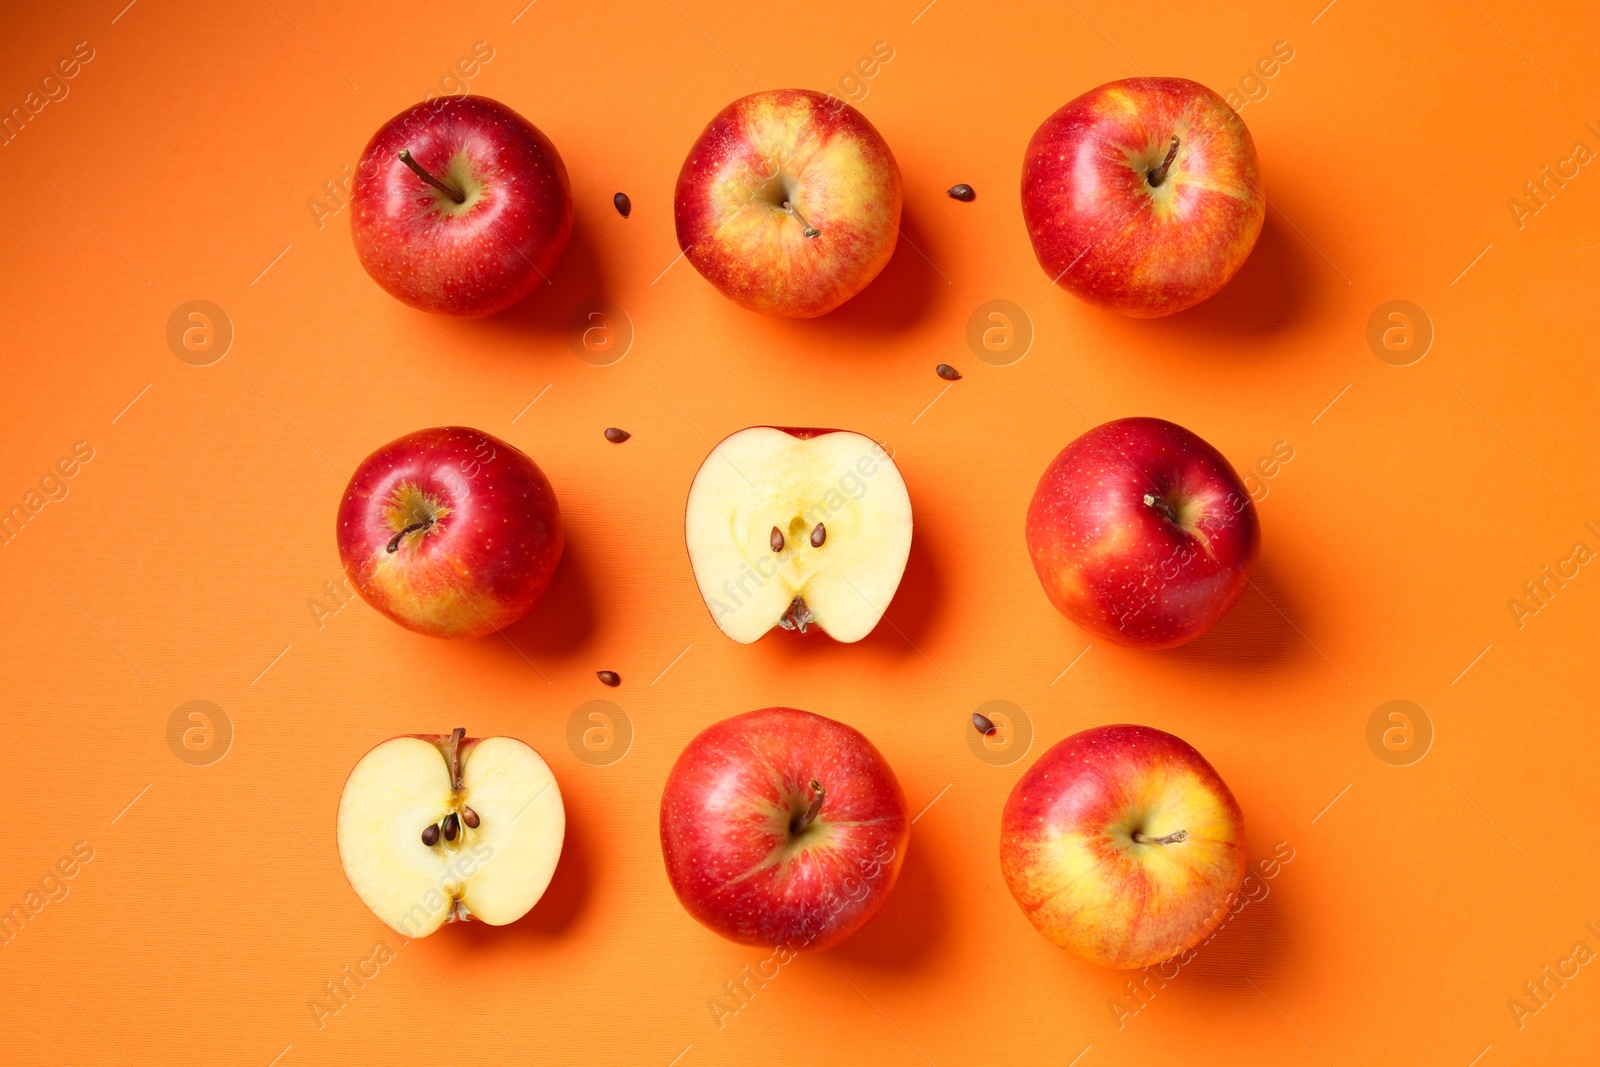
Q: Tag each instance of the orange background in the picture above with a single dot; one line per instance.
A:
(181, 564)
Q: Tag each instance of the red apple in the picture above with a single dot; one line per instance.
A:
(461, 206)
(789, 202)
(450, 532)
(1122, 845)
(1142, 533)
(783, 828)
(1143, 196)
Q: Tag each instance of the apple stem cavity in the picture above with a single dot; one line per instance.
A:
(810, 230)
(798, 826)
(1158, 174)
(394, 542)
(1140, 838)
(448, 190)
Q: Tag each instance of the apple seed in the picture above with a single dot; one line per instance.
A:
(470, 817)
(776, 540)
(611, 678)
(983, 724)
(452, 826)
(962, 192)
(624, 205)
(819, 535)
(613, 434)
(430, 835)
(947, 372)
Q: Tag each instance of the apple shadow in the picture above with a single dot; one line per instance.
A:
(563, 902)
(1262, 630)
(1253, 943)
(560, 624)
(900, 296)
(577, 279)
(910, 925)
(1270, 294)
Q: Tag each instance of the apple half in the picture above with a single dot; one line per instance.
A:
(435, 829)
(798, 528)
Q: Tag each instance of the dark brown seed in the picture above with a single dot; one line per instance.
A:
(818, 536)
(469, 817)
(616, 436)
(430, 836)
(624, 205)
(947, 372)
(962, 192)
(984, 724)
(611, 678)
(452, 826)
(776, 540)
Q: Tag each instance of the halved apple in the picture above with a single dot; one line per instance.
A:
(798, 527)
(435, 829)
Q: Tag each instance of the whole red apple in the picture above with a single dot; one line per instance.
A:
(1123, 845)
(461, 206)
(1143, 196)
(789, 203)
(1142, 533)
(450, 532)
(783, 828)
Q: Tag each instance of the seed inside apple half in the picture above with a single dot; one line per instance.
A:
(795, 528)
(437, 829)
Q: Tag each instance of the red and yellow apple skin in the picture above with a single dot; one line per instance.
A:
(484, 532)
(1142, 533)
(476, 257)
(822, 157)
(1068, 853)
(727, 829)
(1102, 231)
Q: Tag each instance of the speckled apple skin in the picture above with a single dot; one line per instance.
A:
(1112, 564)
(486, 258)
(1103, 233)
(725, 809)
(483, 565)
(849, 188)
(1068, 861)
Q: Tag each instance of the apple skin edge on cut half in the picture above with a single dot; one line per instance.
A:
(444, 828)
(798, 528)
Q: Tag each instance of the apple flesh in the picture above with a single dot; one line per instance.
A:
(789, 203)
(1142, 533)
(461, 206)
(1123, 845)
(1143, 196)
(450, 532)
(436, 829)
(798, 527)
(783, 828)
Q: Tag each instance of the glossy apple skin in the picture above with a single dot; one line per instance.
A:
(1116, 565)
(837, 171)
(1103, 233)
(1069, 860)
(479, 257)
(488, 557)
(725, 814)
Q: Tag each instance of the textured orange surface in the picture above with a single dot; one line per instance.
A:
(1401, 903)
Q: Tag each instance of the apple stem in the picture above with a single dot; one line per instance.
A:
(394, 542)
(810, 230)
(1164, 509)
(798, 826)
(1171, 839)
(456, 738)
(1159, 174)
(448, 190)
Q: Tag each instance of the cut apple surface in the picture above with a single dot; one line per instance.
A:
(436, 829)
(798, 528)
